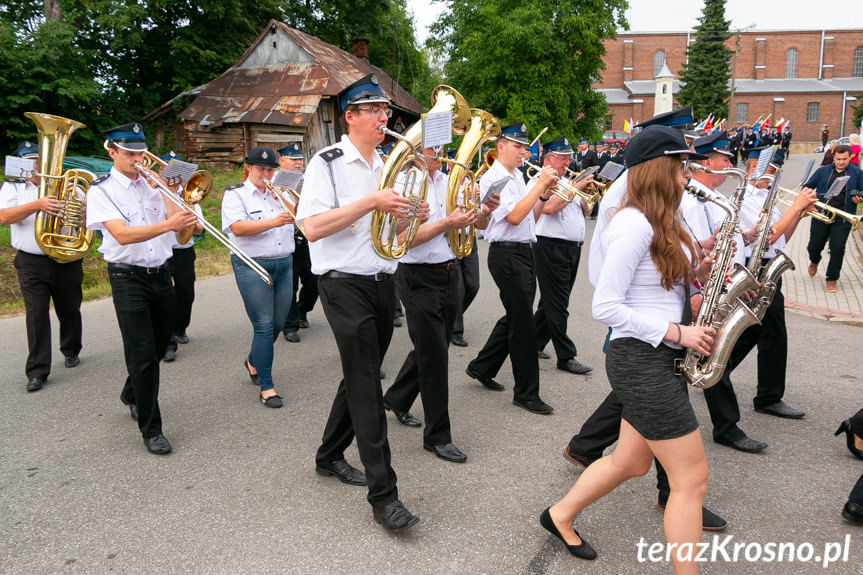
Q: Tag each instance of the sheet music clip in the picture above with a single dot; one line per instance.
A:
(287, 180)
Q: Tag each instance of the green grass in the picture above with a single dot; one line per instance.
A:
(213, 259)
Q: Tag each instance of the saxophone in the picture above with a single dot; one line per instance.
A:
(722, 307)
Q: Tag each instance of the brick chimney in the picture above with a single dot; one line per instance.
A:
(360, 47)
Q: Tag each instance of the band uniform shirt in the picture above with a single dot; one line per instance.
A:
(349, 250)
(177, 245)
(750, 211)
(437, 249)
(629, 295)
(22, 233)
(566, 224)
(116, 197)
(608, 205)
(500, 230)
(246, 202)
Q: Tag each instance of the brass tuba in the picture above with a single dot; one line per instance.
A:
(196, 188)
(405, 153)
(462, 183)
(64, 237)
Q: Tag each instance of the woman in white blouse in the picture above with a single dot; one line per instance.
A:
(641, 294)
(257, 224)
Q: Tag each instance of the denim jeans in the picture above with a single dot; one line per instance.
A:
(267, 307)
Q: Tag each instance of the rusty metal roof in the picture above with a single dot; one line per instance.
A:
(283, 93)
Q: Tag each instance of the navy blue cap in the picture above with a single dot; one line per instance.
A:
(778, 159)
(129, 137)
(657, 141)
(293, 151)
(717, 142)
(558, 146)
(171, 156)
(753, 153)
(517, 132)
(681, 119)
(451, 153)
(26, 150)
(583, 140)
(262, 156)
(365, 90)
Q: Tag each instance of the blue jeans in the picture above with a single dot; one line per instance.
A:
(267, 308)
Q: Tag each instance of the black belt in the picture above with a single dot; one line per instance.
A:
(32, 255)
(337, 275)
(441, 266)
(138, 269)
(512, 244)
(561, 241)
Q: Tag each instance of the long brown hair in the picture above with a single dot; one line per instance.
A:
(653, 188)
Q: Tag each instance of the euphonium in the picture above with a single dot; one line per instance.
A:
(196, 188)
(405, 153)
(729, 318)
(64, 237)
(462, 183)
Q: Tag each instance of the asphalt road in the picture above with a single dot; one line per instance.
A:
(80, 494)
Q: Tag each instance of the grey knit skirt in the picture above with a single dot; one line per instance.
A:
(655, 400)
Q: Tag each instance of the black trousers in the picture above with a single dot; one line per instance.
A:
(467, 274)
(42, 279)
(556, 267)
(304, 298)
(836, 233)
(360, 313)
(514, 335)
(771, 338)
(182, 267)
(428, 295)
(145, 306)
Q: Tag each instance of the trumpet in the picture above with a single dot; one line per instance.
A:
(154, 182)
(822, 212)
(563, 190)
(288, 206)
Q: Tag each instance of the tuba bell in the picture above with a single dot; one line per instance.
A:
(64, 237)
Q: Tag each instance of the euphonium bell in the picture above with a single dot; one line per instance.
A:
(64, 237)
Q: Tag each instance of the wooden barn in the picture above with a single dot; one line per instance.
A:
(282, 90)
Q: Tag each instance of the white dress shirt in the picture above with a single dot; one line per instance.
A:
(349, 250)
(500, 230)
(23, 233)
(246, 202)
(137, 204)
(749, 214)
(629, 296)
(566, 224)
(612, 199)
(437, 249)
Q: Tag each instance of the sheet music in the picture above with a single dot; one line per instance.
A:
(177, 171)
(287, 180)
(20, 167)
(437, 129)
(837, 188)
(611, 171)
(495, 188)
(763, 161)
(807, 172)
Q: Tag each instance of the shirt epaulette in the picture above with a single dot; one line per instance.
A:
(98, 181)
(332, 154)
(234, 187)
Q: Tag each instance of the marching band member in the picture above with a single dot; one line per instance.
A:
(357, 293)
(511, 263)
(428, 285)
(258, 225)
(41, 278)
(559, 237)
(642, 293)
(137, 224)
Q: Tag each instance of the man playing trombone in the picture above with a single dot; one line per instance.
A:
(136, 221)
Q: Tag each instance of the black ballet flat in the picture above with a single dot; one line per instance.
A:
(252, 376)
(849, 438)
(583, 551)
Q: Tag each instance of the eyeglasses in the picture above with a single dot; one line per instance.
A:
(374, 111)
(686, 167)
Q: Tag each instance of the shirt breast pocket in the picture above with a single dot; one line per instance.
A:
(154, 210)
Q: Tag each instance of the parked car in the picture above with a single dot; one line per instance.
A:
(614, 137)
(842, 140)
(98, 165)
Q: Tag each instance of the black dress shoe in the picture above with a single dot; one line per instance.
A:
(157, 444)
(542, 355)
(274, 401)
(572, 365)
(853, 512)
(252, 376)
(458, 340)
(342, 471)
(182, 338)
(710, 521)
(488, 382)
(779, 409)
(447, 452)
(292, 335)
(303, 323)
(534, 406)
(849, 438)
(394, 516)
(35, 383)
(170, 355)
(403, 417)
(745, 444)
(583, 551)
(133, 409)
(72, 361)
(579, 460)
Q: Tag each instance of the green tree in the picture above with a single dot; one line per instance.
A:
(532, 61)
(706, 72)
(858, 113)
